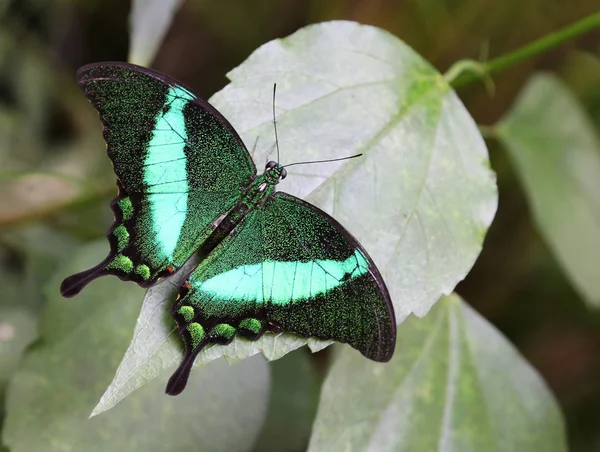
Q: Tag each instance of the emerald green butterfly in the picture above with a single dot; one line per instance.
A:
(269, 262)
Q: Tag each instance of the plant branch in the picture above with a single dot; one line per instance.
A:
(460, 74)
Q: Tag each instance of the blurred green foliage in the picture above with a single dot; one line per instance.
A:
(55, 184)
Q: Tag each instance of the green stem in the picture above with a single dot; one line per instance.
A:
(536, 47)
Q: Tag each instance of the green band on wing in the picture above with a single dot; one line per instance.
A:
(165, 172)
(282, 282)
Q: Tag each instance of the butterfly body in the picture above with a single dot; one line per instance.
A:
(268, 261)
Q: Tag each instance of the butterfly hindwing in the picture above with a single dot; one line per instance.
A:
(180, 166)
(288, 266)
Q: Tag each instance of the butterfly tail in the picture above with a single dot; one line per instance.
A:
(179, 379)
(73, 284)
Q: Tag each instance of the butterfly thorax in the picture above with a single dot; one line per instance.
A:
(253, 196)
(263, 186)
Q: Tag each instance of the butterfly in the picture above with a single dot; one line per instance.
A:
(268, 261)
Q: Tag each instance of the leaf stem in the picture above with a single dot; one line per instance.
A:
(458, 78)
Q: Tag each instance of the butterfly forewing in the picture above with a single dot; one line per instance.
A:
(179, 163)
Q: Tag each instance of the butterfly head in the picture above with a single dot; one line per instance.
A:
(274, 172)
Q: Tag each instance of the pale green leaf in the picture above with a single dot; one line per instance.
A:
(420, 199)
(17, 330)
(39, 248)
(556, 153)
(456, 385)
(148, 24)
(293, 404)
(82, 339)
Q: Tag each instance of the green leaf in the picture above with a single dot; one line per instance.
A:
(12, 279)
(39, 248)
(17, 330)
(40, 174)
(18, 320)
(293, 404)
(420, 199)
(148, 24)
(82, 339)
(556, 153)
(457, 385)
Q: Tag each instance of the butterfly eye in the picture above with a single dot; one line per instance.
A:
(283, 173)
(271, 164)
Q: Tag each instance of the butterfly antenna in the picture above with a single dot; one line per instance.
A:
(323, 161)
(277, 141)
(275, 122)
(255, 144)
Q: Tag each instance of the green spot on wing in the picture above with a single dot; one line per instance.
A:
(196, 333)
(187, 312)
(223, 330)
(253, 325)
(143, 271)
(122, 235)
(126, 208)
(121, 263)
